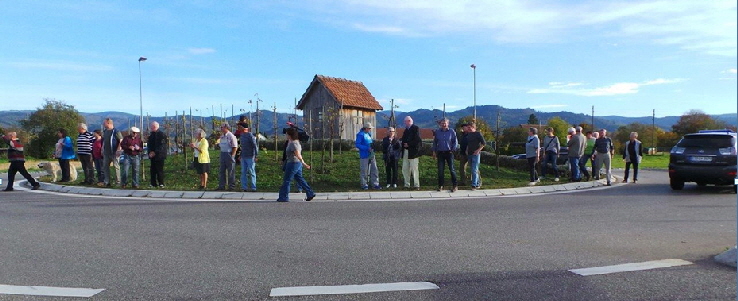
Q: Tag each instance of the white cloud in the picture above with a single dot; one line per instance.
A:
(660, 81)
(704, 26)
(733, 70)
(198, 51)
(611, 90)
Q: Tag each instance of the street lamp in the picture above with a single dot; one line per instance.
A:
(140, 91)
(474, 68)
(140, 103)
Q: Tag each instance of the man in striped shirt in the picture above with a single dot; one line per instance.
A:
(84, 153)
(17, 161)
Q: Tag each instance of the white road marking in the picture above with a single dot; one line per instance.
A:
(351, 289)
(48, 291)
(629, 267)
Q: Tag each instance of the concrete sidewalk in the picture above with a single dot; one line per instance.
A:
(397, 194)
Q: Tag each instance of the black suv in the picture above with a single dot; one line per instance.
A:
(707, 157)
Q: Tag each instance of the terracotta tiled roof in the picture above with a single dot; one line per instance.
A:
(349, 93)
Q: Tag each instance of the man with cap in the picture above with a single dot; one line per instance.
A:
(132, 146)
(367, 162)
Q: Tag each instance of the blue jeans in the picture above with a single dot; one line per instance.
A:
(129, 161)
(446, 158)
(583, 165)
(474, 170)
(293, 170)
(549, 157)
(574, 167)
(248, 171)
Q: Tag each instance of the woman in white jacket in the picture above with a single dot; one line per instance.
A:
(632, 154)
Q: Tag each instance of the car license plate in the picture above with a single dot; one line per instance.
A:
(701, 159)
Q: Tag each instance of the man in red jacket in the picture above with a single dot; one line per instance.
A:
(17, 162)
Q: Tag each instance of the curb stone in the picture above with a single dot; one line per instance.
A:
(326, 196)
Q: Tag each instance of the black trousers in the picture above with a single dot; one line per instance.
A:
(390, 168)
(87, 168)
(156, 172)
(635, 170)
(532, 169)
(64, 165)
(16, 167)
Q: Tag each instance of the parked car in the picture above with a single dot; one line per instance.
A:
(707, 157)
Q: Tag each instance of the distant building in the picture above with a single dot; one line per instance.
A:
(338, 106)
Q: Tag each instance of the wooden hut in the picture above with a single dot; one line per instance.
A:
(337, 108)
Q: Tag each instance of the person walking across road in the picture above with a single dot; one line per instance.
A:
(85, 140)
(603, 152)
(132, 146)
(532, 154)
(228, 146)
(17, 162)
(551, 148)
(411, 143)
(391, 153)
(589, 141)
(158, 146)
(445, 144)
(633, 154)
(293, 166)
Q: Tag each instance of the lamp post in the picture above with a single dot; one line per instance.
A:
(140, 103)
(140, 90)
(474, 70)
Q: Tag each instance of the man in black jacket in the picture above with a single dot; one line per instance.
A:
(158, 145)
(411, 143)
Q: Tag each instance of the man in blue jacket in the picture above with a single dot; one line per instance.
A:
(368, 164)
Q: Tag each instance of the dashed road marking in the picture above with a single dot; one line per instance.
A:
(49, 291)
(629, 267)
(351, 289)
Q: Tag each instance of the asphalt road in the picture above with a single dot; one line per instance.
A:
(504, 248)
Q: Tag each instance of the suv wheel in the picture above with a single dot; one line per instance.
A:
(676, 184)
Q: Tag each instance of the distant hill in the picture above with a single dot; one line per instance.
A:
(424, 118)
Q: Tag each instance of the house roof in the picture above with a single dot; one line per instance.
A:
(347, 92)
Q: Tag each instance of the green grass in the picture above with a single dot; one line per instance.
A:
(340, 176)
(659, 161)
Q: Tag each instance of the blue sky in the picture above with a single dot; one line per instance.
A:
(624, 57)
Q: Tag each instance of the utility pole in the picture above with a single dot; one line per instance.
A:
(593, 119)
(653, 132)
(258, 100)
(474, 68)
(276, 155)
(497, 142)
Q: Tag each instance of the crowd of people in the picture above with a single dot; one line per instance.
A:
(100, 149)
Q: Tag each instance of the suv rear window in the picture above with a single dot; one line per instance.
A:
(708, 141)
